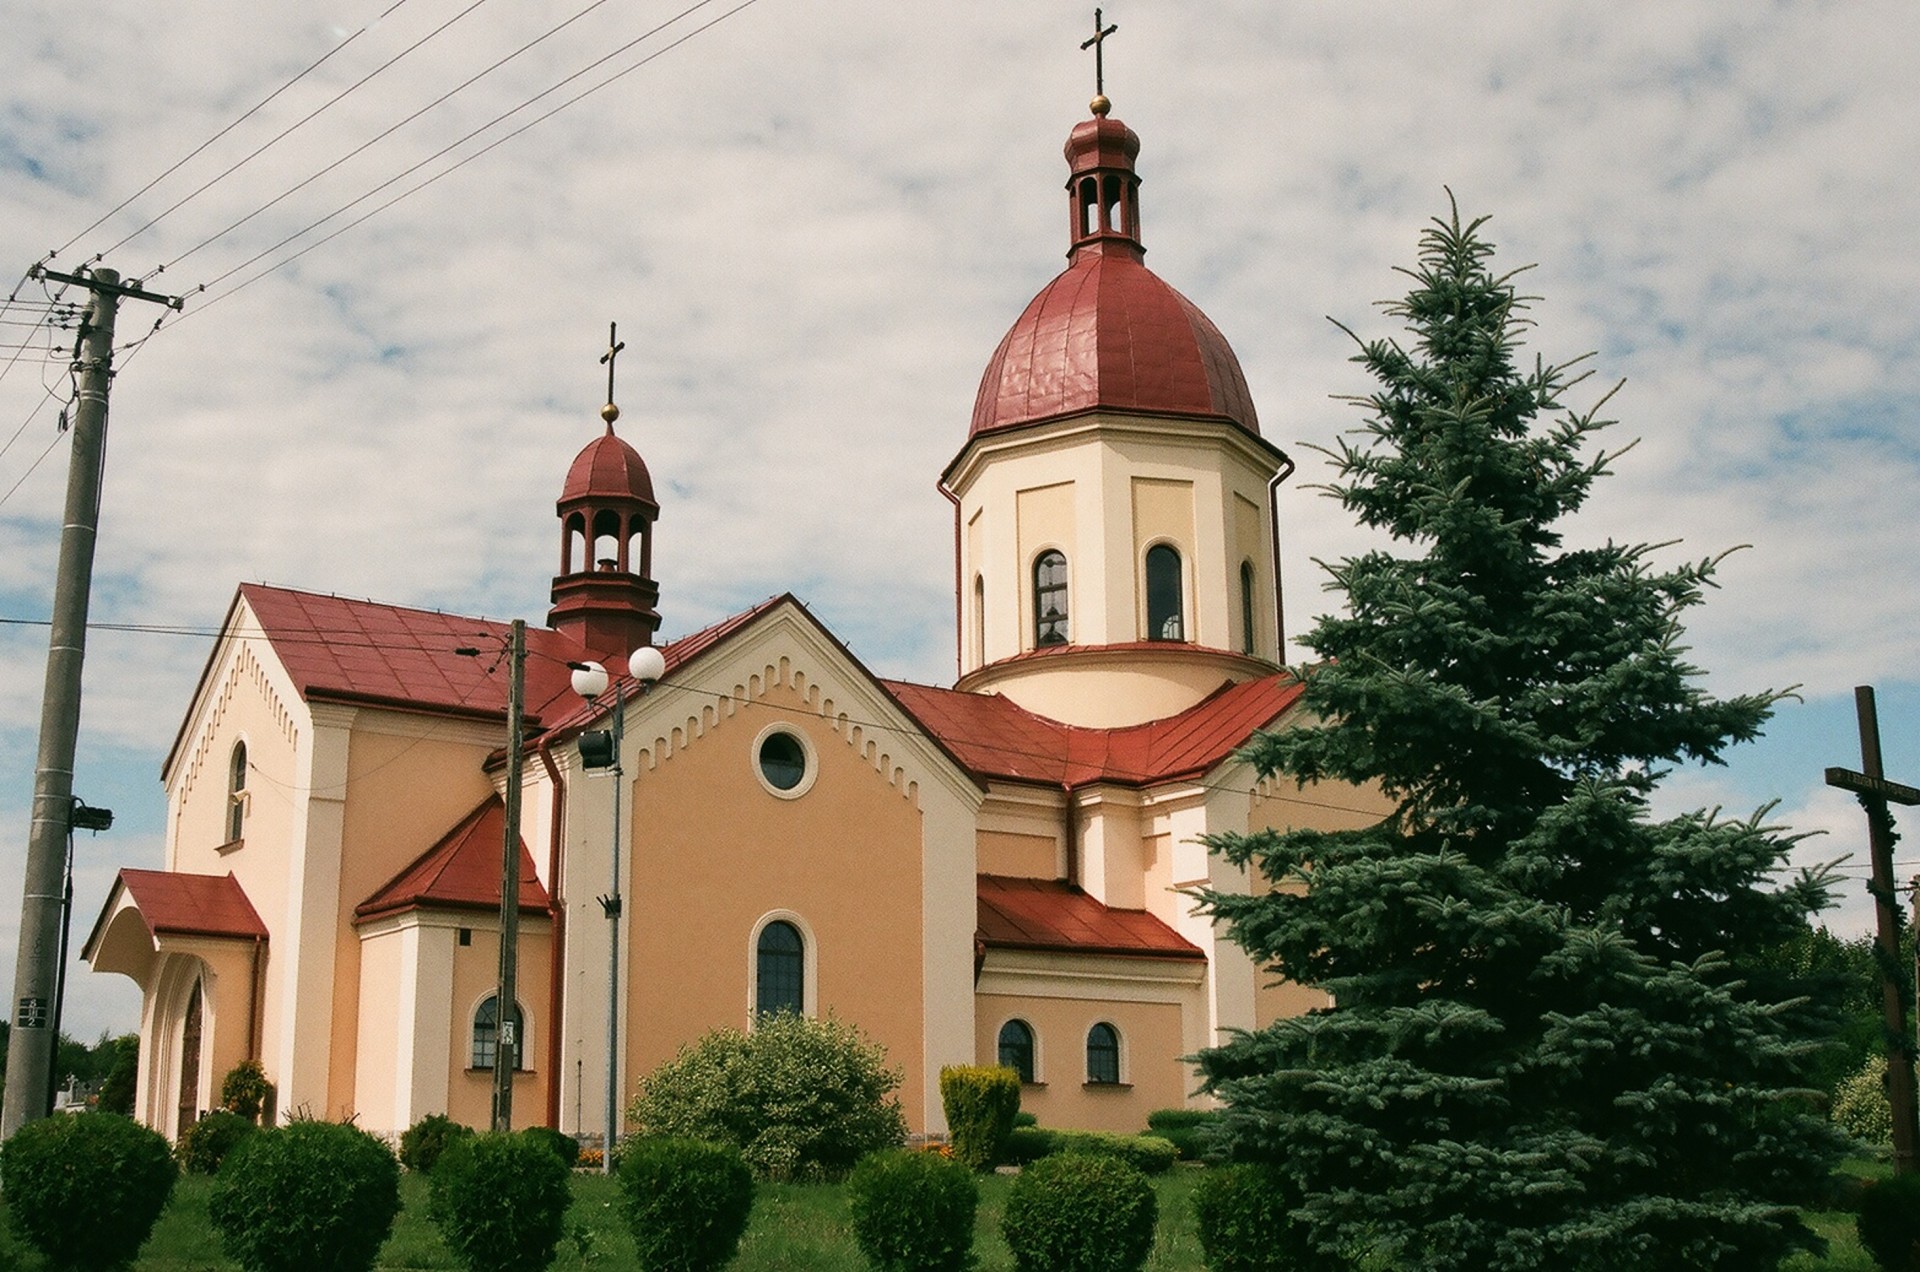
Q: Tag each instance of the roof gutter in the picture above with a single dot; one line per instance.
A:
(959, 588)
(1273, 525)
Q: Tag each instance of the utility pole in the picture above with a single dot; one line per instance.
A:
(506, 1030)
(1875, 793)
(36, 968)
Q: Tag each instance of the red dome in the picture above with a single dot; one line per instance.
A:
(1109, 333)
(608, 469)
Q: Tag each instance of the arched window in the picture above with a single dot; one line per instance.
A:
(1246, 607)
(1050, 599)
(486, 1034)
(780, 970)
(1103, 1053)
(979, 619)
(1164, 619)
(1016, 1048)
(237, 792)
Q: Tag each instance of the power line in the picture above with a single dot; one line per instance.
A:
(291, 128)
(387, 132)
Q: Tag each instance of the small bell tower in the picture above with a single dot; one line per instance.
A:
(605, 596)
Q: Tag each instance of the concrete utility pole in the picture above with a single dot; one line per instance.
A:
(36, 969)
(1875, 793)
(506, 1029)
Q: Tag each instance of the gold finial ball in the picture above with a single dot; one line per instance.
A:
(1100, 105)
(609, 412)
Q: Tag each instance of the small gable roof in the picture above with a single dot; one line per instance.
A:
(995, 737)
(190, 904)
(461, 872)
(1050, 914)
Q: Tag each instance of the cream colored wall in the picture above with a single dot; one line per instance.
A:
(1023, 856)
(1163, 512)
(1110, 689)
(1043, 519)
(1148, 1001)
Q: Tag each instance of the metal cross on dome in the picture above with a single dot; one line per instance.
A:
(614, 345)
(1097, 42)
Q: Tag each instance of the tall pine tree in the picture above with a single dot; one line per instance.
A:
(1543, 1051)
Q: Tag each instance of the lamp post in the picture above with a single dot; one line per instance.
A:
(600, 749)
(82, 816)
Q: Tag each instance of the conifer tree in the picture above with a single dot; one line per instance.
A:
(1542, 1050)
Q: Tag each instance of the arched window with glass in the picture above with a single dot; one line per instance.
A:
(237, 792)
(1246, 608)
(486, 1034)
(1165, 594)
(1103, 1054)
(1050, 599)
(1016, 1048)
(780, 970)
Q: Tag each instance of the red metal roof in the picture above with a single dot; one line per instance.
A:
(1108, 333)
(192, 904)
(996, 738)
(1048, 914)
(462, 871)
(608, 468)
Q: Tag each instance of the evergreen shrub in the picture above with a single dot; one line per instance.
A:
(306, 1197)
(686, 1202)
(85, 1189)
(245, 1090)
(501, 1200)
(1024, 1118)
(422, 1143)
(1148, 1154)
(1079, 1212)
(558, 1142)
(1187, 1129)
(1860, 1105)
(800, 1098)
(1242, 1216)
(1889, 1223)
(981, 1102)
(913, 1212)
(206, 1143)
(1026, 1145)
(116, 1091)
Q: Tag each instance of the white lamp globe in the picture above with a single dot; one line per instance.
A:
(590, 680)
(646, 664)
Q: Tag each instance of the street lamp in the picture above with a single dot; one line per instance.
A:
(600, 749)
(81, 816)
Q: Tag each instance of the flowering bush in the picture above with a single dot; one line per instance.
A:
(800, 1099)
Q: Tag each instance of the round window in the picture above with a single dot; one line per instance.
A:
(783, 761)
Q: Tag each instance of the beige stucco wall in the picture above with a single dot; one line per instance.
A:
(476, 976)
(1025, 856)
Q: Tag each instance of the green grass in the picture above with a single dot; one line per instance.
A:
(795, 1228)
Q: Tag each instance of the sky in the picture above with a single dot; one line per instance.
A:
(813, 222)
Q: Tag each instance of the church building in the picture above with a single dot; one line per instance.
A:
(987, 873)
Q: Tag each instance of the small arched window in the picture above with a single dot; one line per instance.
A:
(1016, 1048)
(486, 1034)
(237, 793)
(1164, 594)
(1246, 607)
(1103, 1054)
(780, 970)
(1050, 600)
(979, 619)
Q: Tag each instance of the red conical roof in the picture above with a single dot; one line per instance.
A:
(1108, 333)
(608, 469)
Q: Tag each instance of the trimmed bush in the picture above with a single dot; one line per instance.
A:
(501, 1200)
(800, 1098)
(1077, 1212)
(1889, 1223)
(206, 1143)
(685, 1202)
(422, 1143)
(1149, 1154)
(307, 1197)
(559, 1143)
(1026, 1145)
(1860, 1105)
(913, 1212)
(1024, 1118)
(245, 1090)
(981, 1102)
(85, 1189)
(1186, 1129)
(116, 1091)
(1241, 1214)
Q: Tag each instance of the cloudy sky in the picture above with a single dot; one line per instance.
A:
(813, 221)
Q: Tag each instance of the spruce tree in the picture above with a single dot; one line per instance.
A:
(1543, 1050)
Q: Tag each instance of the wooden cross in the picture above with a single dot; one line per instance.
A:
(614, 346)
(1097, 42)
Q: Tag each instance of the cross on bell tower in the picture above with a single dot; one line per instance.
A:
(1098, 43)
